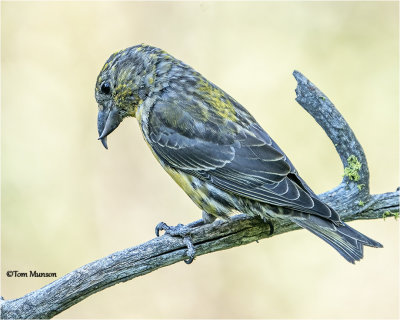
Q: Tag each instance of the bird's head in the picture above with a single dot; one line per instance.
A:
(126, 80)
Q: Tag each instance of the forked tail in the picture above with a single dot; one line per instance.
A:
(346, 240)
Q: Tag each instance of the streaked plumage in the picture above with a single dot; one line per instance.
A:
(211, 145)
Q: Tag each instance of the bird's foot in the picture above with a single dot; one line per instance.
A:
(184, 232)
(179, 231)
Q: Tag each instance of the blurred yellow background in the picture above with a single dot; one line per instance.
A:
(67, 201)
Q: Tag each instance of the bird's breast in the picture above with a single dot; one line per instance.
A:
(207, 197)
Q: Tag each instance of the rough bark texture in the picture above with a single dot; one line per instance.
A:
(351, 199)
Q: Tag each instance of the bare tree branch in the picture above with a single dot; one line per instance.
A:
(351, 199)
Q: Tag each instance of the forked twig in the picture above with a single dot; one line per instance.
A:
(351, 199)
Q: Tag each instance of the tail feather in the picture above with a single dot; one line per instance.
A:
(346, 240)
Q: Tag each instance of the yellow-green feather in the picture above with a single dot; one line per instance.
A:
(217, 100)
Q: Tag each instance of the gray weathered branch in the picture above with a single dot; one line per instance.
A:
(351, 199)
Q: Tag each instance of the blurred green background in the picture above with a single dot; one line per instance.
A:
(67, 201)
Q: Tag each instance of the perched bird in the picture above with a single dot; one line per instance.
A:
(212, 146)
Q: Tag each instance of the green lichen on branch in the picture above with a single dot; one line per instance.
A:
(360, 186)
(353, 168)
(390, 214)
(361, 203)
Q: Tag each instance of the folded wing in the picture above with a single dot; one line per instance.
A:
(235, 155)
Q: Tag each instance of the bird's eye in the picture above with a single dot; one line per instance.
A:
(105, 87)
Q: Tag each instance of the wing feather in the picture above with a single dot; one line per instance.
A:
(236, 155)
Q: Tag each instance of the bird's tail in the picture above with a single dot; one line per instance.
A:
(346, 240)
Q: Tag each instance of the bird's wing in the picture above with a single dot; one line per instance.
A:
(230, 151)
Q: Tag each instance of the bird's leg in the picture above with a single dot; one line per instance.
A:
(207, 219)
(179, 231)
(183, 232)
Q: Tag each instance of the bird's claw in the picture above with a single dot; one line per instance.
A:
(174, 231)
(179, 231)
(191, 250)
(162, 226)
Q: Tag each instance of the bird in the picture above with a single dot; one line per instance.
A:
(212, 147)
